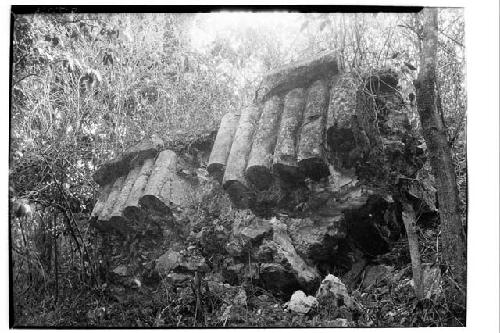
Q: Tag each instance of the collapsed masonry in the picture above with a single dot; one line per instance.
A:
(282, 134)
(317, 168)
(141, 186)
(329, 162)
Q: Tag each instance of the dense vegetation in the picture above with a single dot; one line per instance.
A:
(85, 87)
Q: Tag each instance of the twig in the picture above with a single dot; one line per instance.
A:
(452, 39)
(457, 285)
(24, 77)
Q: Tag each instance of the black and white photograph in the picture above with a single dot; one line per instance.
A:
(243, 167)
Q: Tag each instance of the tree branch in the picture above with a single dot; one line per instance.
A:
(25, 77)
(452, 39)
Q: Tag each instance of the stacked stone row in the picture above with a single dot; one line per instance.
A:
(280, 135)
(151, 186)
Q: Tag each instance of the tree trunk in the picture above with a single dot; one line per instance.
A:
(409, 221)
(452, 235)
(56, 262)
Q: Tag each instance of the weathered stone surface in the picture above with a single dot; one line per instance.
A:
(333, 105)
(306, 275)
(266, 251)
(431, 277)
(135, 155)
(167, 261)
(228, 294)
(299, 74)
(179, 279)
(176, 191)
(132, 208)
(222, 145)
(247, 235)
(117, 217)
(317, 238)
(375, 274)
(236, 247)
(259, 165)
(163, 169)
(339, 322)
(342, 180)
(342, 100)
(253, 230)
(174, 261)
(101, 201)
(332, 287)
(281, 269)
(238, 273)
(121, 270)
(234, 181)
(111, 200)
(300, 303)
(212, 239)
(285, 154)
(191, 263)
(310, 154)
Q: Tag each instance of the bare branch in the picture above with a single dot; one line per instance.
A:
(24, 77)
(452, 39)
